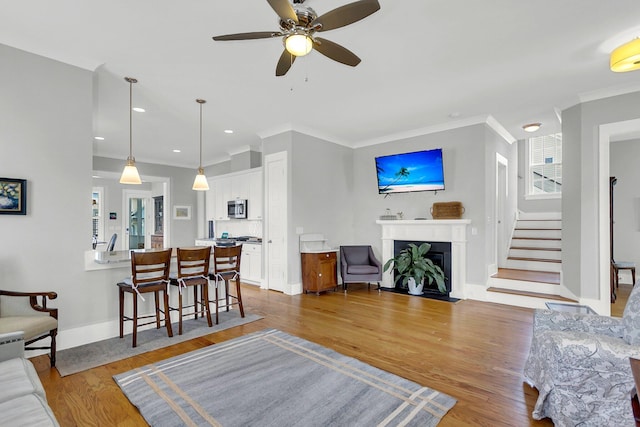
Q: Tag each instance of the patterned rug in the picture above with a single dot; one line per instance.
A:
(270, 378)
(81, 358)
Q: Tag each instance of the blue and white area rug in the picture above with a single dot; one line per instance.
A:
(270, 378)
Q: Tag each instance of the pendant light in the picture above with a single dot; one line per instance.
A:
(130, 173)
(200, 183)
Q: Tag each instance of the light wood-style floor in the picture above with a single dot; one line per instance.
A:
(471, 350)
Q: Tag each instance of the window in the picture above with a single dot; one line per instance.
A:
(545, 165)
(97, 214)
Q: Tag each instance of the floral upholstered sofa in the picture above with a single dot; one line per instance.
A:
(579, 363)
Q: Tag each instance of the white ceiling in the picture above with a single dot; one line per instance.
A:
(425, 65)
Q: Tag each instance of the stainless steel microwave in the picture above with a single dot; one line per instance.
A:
(237, 208)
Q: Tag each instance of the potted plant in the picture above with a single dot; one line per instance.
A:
(413, 267)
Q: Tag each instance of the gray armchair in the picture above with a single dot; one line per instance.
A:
(358, 264)
(579, 363)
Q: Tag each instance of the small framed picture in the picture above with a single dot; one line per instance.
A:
(13, 196)
(182, 212)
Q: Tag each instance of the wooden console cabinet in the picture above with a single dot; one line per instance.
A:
(319, 271)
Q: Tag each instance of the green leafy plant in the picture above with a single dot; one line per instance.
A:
(411, 262)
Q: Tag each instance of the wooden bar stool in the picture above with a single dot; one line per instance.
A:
(226, 267)
(193, 271)
(149, 273)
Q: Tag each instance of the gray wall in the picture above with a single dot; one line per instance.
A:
(468, 173)
(580, 134)
(495, 144)
(626, 200)
(45, 136)
(322, 193)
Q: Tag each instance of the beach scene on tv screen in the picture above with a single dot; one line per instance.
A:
(406, 172)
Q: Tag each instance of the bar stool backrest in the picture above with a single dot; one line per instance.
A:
(226, 259)
(150, 267)
(193, 262)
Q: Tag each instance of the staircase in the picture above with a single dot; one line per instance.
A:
(531, 275)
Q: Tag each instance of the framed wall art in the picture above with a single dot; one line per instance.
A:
(13, 196)
(182, 212)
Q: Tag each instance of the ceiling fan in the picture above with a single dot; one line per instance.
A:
(298, 25)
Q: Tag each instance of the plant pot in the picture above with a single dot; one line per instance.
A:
(415, 288)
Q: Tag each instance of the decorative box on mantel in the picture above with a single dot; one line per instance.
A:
(441, 230)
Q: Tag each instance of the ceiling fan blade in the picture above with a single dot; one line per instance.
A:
(248, 36)
(284, 9)
(284, 63)
(347, 14)
(336, 52)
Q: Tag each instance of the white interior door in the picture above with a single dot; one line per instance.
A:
(137, 219)
(276, 221)
(502, 244)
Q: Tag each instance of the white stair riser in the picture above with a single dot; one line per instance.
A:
(539, 254)
(516, 300)
(557, 234)
(529, 243)
(521, 285)
(555, 267)
(539, 224)
(540, 215)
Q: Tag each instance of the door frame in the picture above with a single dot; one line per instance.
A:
(269, 158)
(502, 176)
(148, 217)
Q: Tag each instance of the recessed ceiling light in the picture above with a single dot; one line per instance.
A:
(454, 115)
(99, 138)
(531, 127)
(228, 131)
(138, 109)
(177, 151)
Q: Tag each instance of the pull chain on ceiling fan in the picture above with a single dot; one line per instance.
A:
(298, 25)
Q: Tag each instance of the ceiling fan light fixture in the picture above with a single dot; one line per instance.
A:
(531, 127)
(626, 57)
(130, 173)
(298, 44)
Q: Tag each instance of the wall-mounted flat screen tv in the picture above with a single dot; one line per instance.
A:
(407, 172)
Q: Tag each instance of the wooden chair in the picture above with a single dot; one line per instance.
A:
(28, 312)
(193, 271)
(226, 267)
(149, 273)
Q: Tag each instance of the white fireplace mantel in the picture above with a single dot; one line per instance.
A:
(441, 230)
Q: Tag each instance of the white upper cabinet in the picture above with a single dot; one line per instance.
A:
(241, 185)
(255, 194)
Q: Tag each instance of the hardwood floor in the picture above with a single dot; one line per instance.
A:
(471, 350)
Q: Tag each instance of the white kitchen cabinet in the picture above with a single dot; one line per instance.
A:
(239, 185)
(222, 196)
(251, 263)
(255, 194)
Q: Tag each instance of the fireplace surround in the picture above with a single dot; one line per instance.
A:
(453, 231)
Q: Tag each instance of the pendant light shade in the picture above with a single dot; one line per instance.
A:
(626, 57)
(200, 183)
(130, 173)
